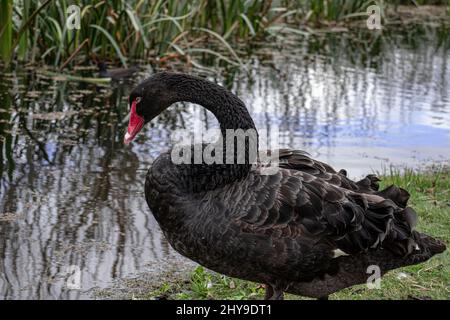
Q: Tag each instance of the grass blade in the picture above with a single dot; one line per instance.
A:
(113, 43)
(6, 23)
(224, 42)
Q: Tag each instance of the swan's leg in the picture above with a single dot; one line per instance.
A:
(277, 294)
(269, 292)
(323, 298)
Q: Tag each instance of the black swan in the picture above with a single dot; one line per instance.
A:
(306, 229)
(115, 74)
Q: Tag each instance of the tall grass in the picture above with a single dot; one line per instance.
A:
(120, 29)
(6, 23)
(136, 28)
(334, 10)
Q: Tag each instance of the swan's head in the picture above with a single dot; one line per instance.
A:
(147, 100)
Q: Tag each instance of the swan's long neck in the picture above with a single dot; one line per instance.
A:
(232, 115)
(229, 110)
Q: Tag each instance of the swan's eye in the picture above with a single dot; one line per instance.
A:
(138, 99)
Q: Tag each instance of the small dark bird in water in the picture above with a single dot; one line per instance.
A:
(115, 74)
(305, 228)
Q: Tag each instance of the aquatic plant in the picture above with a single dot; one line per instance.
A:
(5, 28)
(163, 29)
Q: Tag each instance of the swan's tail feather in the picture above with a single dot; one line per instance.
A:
(403, 241)
(399, 237)
(353, 269)
(399, 195)
(424, 248)
(369, 184)
(349, 270)
(428, 245)
(385, 225)
(376, 223)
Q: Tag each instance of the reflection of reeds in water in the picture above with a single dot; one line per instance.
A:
(89, 213)
(75, 204)
(6, 152)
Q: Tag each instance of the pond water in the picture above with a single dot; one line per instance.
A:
(71, 194)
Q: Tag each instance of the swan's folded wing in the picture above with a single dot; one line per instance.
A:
(297, 205)
(300, 161)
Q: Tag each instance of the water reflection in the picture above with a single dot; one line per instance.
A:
(72, 195)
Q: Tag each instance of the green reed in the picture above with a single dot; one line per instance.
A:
(144, 29)
(6, 27)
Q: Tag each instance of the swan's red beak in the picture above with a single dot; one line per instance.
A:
(135, 125)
